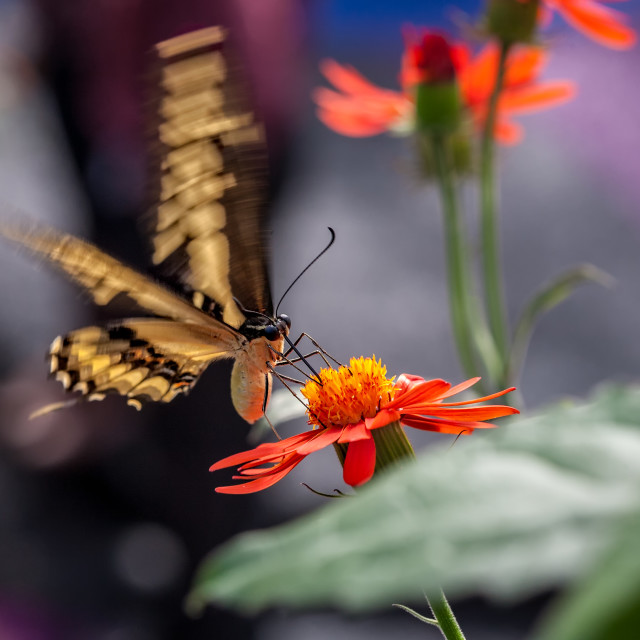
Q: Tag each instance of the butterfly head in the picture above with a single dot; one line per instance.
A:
(261, 325)
(277, 329)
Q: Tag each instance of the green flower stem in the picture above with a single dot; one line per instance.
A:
(393, 446)
(444, 615)
(459, 292)
(492, 270)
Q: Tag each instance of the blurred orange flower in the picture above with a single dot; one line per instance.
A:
(346, 407)
(522, 91)
(358, 108)
(598, 22)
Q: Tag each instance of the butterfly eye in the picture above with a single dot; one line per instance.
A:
(286, 319)
(282, 325)
(271, 332)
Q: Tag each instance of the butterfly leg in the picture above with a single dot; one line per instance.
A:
(267, 389)
(284, 380)
(319, 350)
(283, 360)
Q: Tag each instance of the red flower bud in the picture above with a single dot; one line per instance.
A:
(431, 59)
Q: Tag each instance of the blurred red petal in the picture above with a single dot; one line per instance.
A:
(602, 24)
(354, 126)
(524, 65)
(347, 79)
(537, 97)
(508, 133)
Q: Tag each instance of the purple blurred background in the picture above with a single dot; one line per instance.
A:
(105, 511)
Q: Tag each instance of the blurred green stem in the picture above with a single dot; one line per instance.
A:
(492, 268)
(443, 613)
(459, 291)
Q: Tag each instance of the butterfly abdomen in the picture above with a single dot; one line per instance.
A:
(251, 379)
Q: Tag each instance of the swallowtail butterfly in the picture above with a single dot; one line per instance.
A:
(206, 232)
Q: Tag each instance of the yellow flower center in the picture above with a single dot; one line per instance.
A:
(348, 394)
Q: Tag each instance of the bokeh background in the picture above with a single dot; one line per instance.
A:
(105, 512)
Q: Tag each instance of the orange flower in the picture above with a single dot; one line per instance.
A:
(359, 108)
(521, 93)
(348, 405)
(600, 23)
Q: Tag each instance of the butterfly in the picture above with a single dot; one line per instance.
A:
(206, 233)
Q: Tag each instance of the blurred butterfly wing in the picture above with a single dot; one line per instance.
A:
(211, 172)
(106, 277)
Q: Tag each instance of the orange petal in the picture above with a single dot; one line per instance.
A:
(261, 483)
(323, 439)
(478, 77)
(602, 24)
(466, 414)
(537, 97)
(445, 426)
(407, 380)
(347, 79)
(385, 108)
(360, 462)
(544, 16)
(354, 432)
(463, 386)
(524, 65)
(382, 418)
(355, 126)
(508, 132)
(475, 400)
(264, 452)
(420, 392)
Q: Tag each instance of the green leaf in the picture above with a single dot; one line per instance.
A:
(606, 603)
(551, 295)
(504, 513)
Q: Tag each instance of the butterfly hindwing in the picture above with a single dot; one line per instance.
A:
(142, 359)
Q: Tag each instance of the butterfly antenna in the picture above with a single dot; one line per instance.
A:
(333, 237)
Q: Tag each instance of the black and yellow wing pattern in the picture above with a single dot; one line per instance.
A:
(210, 183)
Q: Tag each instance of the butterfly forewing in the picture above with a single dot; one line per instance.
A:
(211, 169)
(106, 277)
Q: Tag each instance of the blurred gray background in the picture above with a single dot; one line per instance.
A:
(106, 512)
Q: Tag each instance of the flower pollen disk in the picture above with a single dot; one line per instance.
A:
(347, 395)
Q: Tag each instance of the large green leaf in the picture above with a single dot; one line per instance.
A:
(606, 604)
(504, 513)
